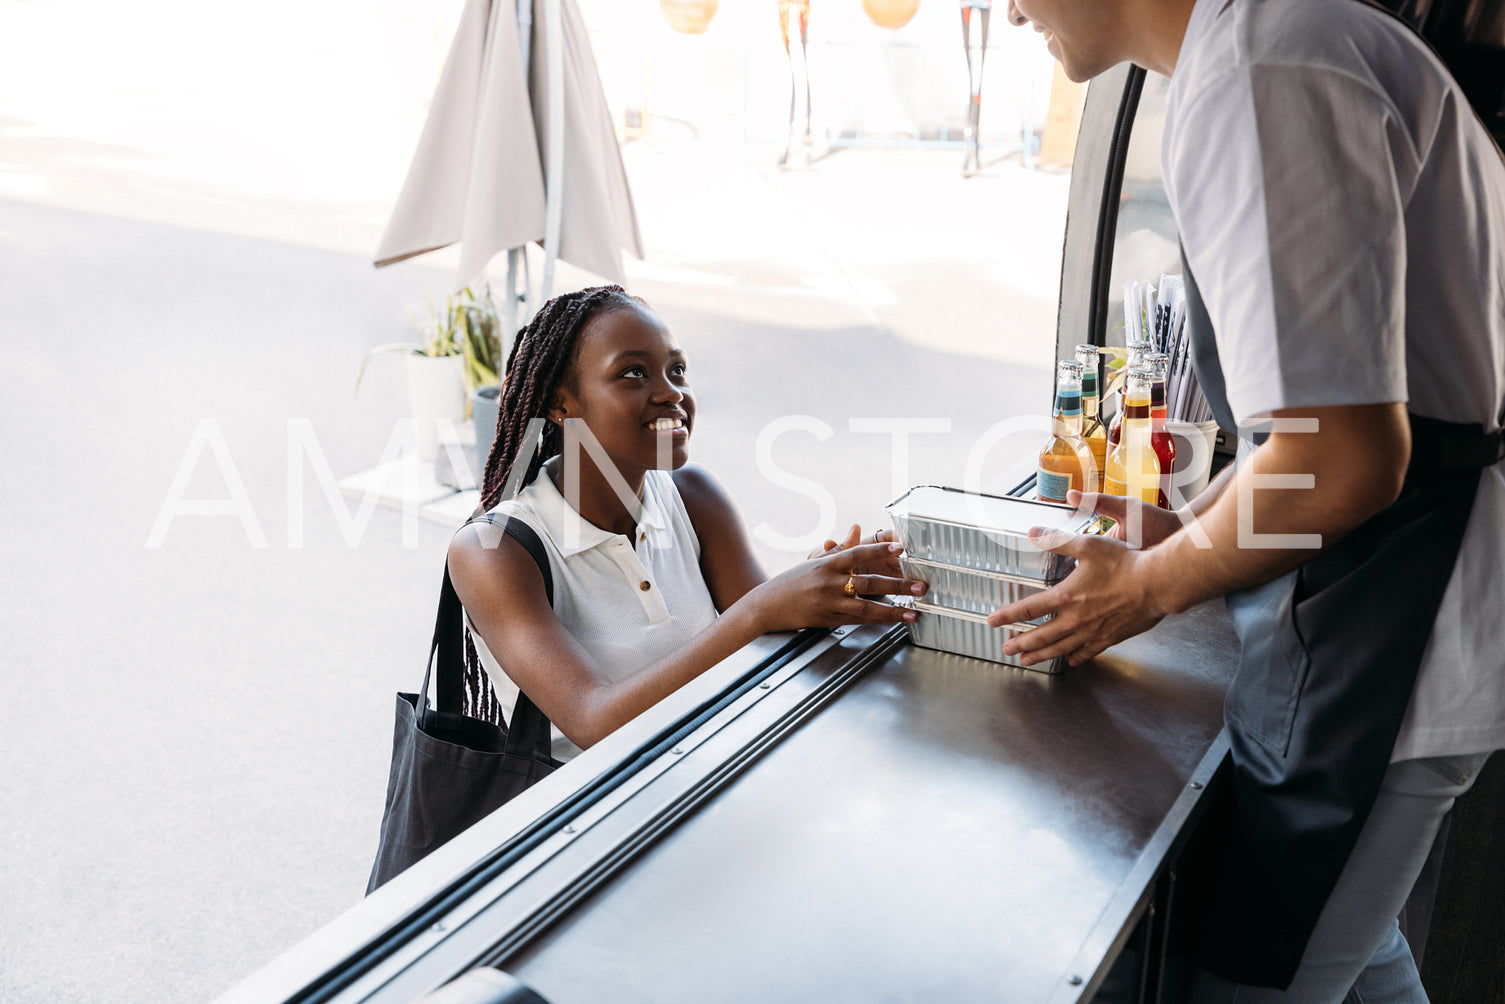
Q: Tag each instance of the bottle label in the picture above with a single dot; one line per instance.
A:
(1052, 486)
(1115, 487)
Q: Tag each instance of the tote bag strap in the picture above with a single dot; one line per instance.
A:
(529, 732)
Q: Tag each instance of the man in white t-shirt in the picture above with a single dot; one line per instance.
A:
(1342, 215)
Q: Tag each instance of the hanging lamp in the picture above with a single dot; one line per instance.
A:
(890, 13)
(692, 17)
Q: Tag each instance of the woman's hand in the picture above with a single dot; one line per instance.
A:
(827, 590)
(888, 564)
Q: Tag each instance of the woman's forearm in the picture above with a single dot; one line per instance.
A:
(822, 592)
(614, 704)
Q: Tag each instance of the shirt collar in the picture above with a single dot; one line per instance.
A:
(573, 534)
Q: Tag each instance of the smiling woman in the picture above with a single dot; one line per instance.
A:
(654, 581)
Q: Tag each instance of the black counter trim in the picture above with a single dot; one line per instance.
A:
(1114, 927)
(342, 975)
(493, 933)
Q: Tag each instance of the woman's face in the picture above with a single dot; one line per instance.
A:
(629, 386)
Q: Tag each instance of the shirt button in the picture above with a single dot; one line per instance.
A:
(645, 585)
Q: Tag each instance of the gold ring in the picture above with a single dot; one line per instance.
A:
(876, 535)
(851, 587)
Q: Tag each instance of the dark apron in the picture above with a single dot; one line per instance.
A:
(1330, 657)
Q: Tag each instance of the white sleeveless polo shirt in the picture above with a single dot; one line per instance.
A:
(629, 603)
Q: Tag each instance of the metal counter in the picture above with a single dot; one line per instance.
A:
(866, 820)
(947, 830)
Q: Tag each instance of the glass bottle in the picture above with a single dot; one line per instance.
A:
(1137, 352)
(1161, 440)
(1092, 418)
(1064, 457)
(1133, 468)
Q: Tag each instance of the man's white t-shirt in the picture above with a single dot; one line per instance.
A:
(1343, 211)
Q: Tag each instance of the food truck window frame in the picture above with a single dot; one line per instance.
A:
(1096, 187)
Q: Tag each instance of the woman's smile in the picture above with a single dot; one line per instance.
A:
(675, 425)
(629, 371)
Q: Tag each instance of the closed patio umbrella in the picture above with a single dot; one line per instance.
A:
(518, 147)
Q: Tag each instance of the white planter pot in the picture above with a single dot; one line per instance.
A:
(436, 390)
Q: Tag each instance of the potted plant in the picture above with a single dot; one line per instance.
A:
(460, 351)
(477, 329)
(481, 327)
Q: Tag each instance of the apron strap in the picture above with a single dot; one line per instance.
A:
(1451, 447)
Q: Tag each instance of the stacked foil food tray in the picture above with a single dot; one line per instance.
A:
(965, 633)
(974, 551)
(967, 589)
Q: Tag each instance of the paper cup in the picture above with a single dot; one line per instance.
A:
(1194, 443)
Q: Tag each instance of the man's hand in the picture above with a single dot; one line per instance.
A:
(1107, 598)
(1134, 522)
(1350, 462)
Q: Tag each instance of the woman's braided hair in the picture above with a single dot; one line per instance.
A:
(542, 358)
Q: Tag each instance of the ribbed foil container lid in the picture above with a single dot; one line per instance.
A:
(993, 513)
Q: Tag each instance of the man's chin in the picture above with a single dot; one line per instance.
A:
(1075, 69)
(1079, 72)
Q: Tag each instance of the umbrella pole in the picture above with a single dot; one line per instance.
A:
(553, 34)
(520, 298)
(525, 32)
(509, 308)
